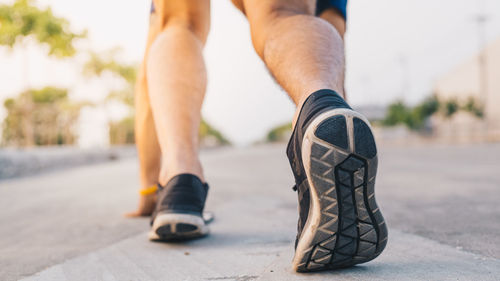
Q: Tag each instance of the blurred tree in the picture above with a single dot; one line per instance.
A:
(210, 136)
(450, 107)
(397, 113)
(413, 117)
(279, 133)
(42, 117)
(122, 131)
(422, 111)
(106, 62)
(22, 20)
(97, 64)
(473, 107)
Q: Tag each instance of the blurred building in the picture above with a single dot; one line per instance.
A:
(477, 80)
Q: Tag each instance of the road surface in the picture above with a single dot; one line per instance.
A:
(441, 204)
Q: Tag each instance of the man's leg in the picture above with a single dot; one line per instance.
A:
(176, 80)
(146, 139)
(148, 148)
(316, 60)
(332, 151)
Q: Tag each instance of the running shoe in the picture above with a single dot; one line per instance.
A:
(333, 156)
(179, 210)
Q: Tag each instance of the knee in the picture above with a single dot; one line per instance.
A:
(194, 18)
(265, 14)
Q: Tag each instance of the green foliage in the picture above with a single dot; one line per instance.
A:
(100, 64)
(279, 133)
(414, 118)
(422, 111)
(107, 62)
(40, 117)
(44, 116)
(397, 113)
(473, 107)
(125, 96)
(428, 107)
(122, 132)
(49, 95)
(450, 107)
(23, 19)
(208, 131)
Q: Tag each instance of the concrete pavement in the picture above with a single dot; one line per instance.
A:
(440, 203)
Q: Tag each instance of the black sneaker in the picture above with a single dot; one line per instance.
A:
(179, 210)
(334, 159)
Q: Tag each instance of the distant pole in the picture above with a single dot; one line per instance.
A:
(481, 20)
(405, 77)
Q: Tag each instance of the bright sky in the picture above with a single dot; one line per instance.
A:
(391, 45)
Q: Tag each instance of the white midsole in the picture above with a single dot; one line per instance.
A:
(173, 219)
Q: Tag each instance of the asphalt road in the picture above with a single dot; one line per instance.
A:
(441, 204)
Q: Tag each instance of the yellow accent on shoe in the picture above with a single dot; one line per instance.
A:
(148, 190)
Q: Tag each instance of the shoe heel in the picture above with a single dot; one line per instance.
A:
(345, 226)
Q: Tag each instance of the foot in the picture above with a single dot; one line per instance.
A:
(334, 159)
(179, 211)
(145, 208)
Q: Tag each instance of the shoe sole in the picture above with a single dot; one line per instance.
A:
(344, 226)
(172, 227)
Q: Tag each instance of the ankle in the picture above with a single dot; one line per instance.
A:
(172, 168)
(147, 183)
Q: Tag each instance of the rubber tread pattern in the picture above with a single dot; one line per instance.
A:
(352, 229)
(334, 130)
(362, 139)
(183, 231)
